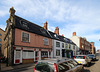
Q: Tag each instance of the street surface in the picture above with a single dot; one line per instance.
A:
(94, 67)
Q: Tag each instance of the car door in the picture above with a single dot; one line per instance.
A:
(88, 59)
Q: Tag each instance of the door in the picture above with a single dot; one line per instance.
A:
(18, 56)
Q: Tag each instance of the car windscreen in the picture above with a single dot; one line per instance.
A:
(79, 57)
(44, 67)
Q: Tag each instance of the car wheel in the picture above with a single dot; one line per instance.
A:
(88, 64)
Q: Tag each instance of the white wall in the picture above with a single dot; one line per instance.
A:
(59, 48)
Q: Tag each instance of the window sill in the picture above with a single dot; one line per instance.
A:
(25, 42)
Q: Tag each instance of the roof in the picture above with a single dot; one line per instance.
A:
(2, 30)
(54, 60)
(30, 27)
(34, 28)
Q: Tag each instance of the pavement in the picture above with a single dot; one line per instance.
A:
(4, 68)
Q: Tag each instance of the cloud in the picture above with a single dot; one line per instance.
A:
(82, 17)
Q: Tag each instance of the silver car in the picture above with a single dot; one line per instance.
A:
(56, 65)
(83, 59)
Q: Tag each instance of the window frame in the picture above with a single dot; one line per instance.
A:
(46, 41)
(22, 37)
(0, 39)
(57, 54)
(62, 45)
(57, 45)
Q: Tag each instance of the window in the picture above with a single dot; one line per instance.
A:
(25, 37)
(69, 46)
(57, 52)
(62, 45)
(0, 44)
(44, 67)
(28, 54)
(0, 34)
(63, 67)
(46, 41)
(57, 44)
(74, 47)
(0, 40)
(66, 46)
(44, 54)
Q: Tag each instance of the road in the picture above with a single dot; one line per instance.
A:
(95, 65)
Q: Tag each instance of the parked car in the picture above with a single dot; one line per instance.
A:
(58, 65)
(92, 56)
(83, 59)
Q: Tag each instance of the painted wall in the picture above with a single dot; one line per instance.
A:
(35, 40)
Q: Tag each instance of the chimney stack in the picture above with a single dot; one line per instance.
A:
(62, 35)
(74, 33)
(56, 31)
(45, 25)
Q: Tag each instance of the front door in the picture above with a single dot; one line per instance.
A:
(18, 56)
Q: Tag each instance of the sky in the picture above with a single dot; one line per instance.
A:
(80, 16)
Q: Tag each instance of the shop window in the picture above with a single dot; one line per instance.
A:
(28, 54)
(44, 54)
(0, 40)
(46, 42)
(25, 37)
(62, 45)
(57, 44)
(0, 34)
(57, 52)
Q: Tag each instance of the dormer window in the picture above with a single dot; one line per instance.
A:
(56, 36)
(46, 41)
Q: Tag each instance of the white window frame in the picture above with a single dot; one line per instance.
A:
(46, 41)
(22, 36)
(56, 44)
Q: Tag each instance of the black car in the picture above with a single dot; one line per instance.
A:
(92, 56)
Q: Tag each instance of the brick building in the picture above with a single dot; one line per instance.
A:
(2, 34)
(84, 46)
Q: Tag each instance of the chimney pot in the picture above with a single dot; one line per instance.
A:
(45, 25)
(74, 33)
(57, 30)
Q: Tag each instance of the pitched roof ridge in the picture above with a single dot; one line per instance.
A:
(2, 29)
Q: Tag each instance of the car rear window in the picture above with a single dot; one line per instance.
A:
(44, 67)
(63, 67)
(79, 57)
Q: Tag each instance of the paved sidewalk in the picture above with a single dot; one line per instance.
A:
(4, 68)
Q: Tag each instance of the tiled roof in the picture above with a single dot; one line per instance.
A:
(34, 28)
(30, 27)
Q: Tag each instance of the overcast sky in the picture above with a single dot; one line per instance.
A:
(80, 16)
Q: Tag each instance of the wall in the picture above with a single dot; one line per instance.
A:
(2, 40)
(35, 40)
